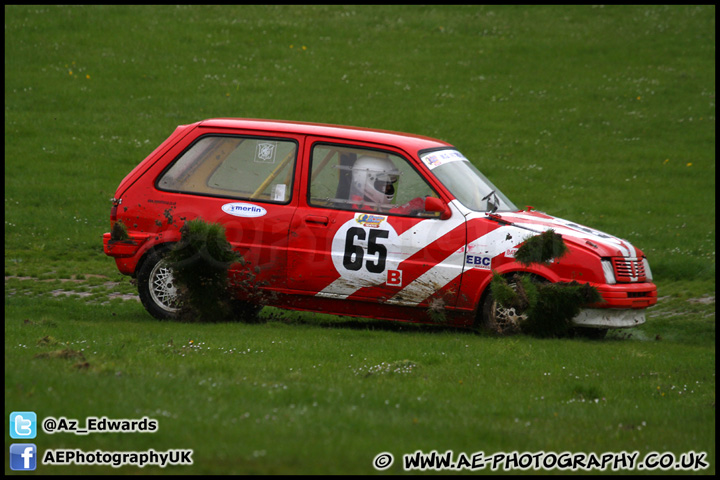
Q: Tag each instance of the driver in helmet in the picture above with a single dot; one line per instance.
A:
(373, 186)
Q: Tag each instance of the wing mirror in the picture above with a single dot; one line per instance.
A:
(433, 204)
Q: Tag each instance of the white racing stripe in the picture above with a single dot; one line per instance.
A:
(407, 244)
(488, 246)
(565, 227)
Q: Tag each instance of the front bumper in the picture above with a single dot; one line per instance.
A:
(609, 318)
(628, 295)
(623, 306)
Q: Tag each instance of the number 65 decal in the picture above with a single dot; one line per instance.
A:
(354, 254)
(365, 256)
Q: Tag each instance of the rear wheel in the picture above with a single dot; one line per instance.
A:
(159, 292)
(156, 286)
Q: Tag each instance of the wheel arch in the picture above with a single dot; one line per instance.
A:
(507, 271)
(149, 252)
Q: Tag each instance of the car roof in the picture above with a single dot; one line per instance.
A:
(409, 142)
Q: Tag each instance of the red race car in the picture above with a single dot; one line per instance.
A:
(359, 222)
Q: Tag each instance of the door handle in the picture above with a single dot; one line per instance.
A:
(316, 220)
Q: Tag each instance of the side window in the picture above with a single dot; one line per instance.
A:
(258, 169)
(350, 178)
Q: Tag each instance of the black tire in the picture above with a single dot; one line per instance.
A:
(498, 319)
(504, 320)
(156, 288)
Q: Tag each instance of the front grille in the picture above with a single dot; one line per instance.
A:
(628, 270)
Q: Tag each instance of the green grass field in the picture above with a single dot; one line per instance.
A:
(601, 115)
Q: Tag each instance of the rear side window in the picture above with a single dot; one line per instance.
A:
(259, 169)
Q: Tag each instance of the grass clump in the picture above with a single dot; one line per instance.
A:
(549, 307)
(119, 232)
(200, 263)
(541, 248)
(557, 305)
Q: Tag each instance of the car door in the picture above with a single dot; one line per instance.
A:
(345, 247)
(244, 181)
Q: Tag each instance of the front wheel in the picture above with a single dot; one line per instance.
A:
(157, 288)
(499, 319)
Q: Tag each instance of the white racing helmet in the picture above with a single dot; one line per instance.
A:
(373, 180)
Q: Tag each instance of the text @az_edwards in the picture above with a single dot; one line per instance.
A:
(52, 425)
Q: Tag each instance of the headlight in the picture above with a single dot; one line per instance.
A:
(648, 272)
(608, 271)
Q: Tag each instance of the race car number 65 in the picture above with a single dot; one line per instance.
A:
(354, 254)
(363, 254)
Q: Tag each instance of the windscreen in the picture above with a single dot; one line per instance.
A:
(466, 182)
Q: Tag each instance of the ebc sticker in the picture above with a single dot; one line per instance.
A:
(482, 262)
(247, 210)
